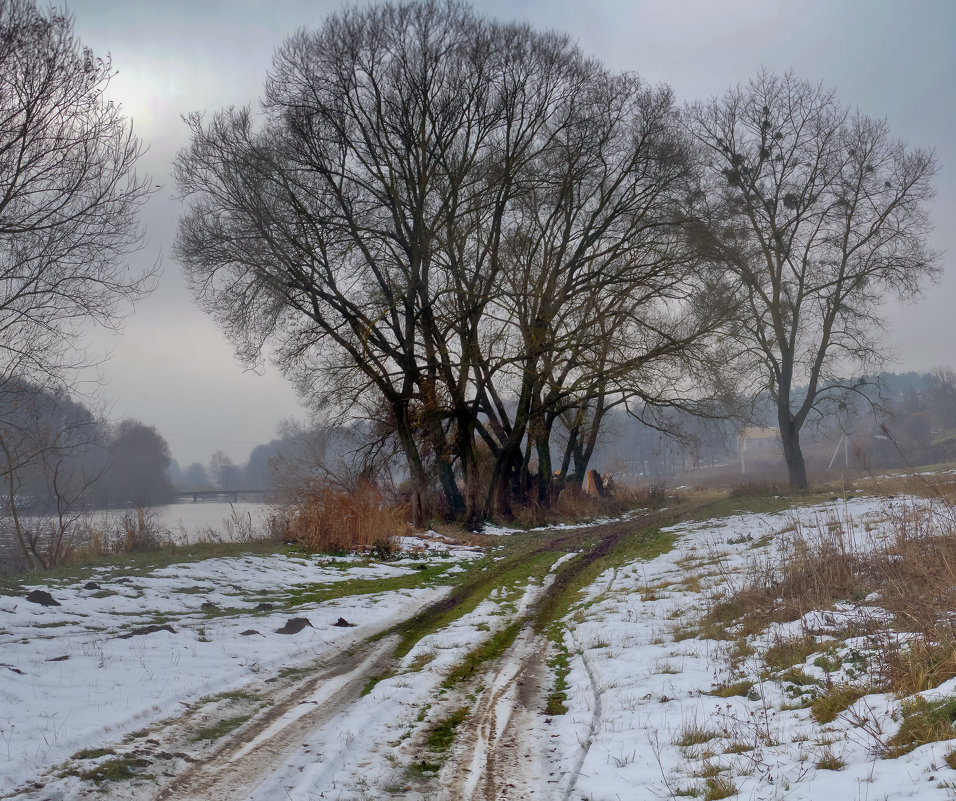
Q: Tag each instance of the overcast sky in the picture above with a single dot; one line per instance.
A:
(172, 368)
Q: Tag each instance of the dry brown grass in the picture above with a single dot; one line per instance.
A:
(908, 569)
(923, 722)
(574, 505)
(911, 573)
(132, 531)
(921, 485)
(836, 699)
(919, 663)
(814, 569)
(326, 519)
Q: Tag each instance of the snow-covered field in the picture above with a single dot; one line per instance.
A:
(72, 677)
(636, 693)
(641, 721)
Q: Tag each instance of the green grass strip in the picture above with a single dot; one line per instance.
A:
(492, 648)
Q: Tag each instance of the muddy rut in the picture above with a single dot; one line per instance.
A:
(494, 759)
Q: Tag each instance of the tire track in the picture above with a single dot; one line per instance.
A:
(494, 749)
(592, 728)
(494, 757)
(233, 770)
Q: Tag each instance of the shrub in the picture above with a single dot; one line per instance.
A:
(133, 531)
(327, 519)
(141, 531)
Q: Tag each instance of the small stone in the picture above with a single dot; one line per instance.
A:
(343, 623)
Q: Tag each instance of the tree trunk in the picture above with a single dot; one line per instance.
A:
(539, 438)
(501, 492)
(475, 505)
(792, 454)
(449, 486)
(416, 469)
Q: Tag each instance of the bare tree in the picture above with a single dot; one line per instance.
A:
(819, 214)
(52, 451)
(137, 472)
(195, 477)
(68, 194)
(223, 472)
(68, 202)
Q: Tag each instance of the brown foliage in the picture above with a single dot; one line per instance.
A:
(326, 519)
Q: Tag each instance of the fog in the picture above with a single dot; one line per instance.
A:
(173, 369)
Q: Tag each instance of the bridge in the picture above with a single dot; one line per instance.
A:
(225, 496)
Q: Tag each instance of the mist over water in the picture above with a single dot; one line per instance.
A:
(179, 523)
(190, 522)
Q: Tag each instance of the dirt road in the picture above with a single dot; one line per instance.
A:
(450, 703)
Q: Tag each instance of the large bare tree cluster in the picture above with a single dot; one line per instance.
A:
(474, 235)
(459, 227)
(464, 233)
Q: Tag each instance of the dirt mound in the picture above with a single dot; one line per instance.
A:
(148, 630)
(43, 598)
(294, 625)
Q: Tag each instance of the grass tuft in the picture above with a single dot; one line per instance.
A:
(694, 734)
(733, 689)
(119, 769)
(923, 722)
(442, 734)
(789, 651)
(835, 700)
(717, 787)
(93, 753)
(922, 663)
(830, 761)
(220, 729)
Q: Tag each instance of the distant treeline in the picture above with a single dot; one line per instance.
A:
(890, 420)
(55, 450)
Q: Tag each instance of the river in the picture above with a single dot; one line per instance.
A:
(183, 523)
